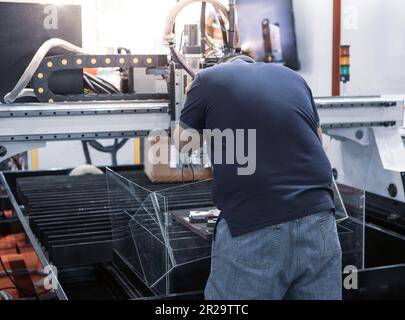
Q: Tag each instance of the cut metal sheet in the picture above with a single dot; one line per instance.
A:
(391, 148)
(71, 215)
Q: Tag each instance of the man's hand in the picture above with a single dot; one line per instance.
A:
(187, 140)
(188, 88)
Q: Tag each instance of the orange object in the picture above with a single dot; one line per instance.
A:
(345, 61)
(137, 151)
(26, 256)
(35, 159)
(92, 71)
(8, 213)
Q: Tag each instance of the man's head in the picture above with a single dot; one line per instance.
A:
(241, 57)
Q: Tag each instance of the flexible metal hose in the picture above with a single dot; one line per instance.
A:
(35, 63)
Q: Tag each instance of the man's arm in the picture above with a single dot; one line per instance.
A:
(320, 134)
(188, 134)
(316, 115)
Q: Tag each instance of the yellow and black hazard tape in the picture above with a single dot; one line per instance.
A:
(40, 80)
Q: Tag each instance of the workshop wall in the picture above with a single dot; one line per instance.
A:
(313, 25)
(377, 45)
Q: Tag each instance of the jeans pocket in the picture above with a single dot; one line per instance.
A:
(260, 249)
(330, 238)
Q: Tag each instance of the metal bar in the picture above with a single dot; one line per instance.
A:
(80, 108)
(352, 112)
(27, 126)
(354, 101)
(24, 130)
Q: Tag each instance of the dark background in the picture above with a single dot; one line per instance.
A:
(22, 32)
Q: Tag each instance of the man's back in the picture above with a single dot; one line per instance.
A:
(293, 175)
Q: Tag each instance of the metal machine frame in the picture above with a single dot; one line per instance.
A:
(366, 148)
(354, 124)
(27, 126)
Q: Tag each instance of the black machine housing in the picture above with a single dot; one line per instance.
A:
(24, 27)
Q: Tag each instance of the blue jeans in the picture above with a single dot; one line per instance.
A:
(298, 260)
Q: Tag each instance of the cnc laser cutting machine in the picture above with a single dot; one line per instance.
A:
(117, 235)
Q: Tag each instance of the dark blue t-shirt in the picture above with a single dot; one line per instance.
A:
(293, 175)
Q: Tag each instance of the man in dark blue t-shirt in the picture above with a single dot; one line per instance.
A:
(277, 237)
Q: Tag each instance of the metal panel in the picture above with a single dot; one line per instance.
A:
(360, 111)
(22, 124)
(81, 121)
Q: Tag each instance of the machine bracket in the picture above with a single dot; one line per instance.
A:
(358, 135)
